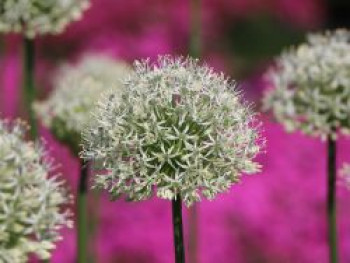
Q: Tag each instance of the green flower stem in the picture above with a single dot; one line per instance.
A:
(194, 51)
(193, 219)
(28, 83)
(178, 233)
(93, 224)
(331, 201)
(2, 44)
(195, 30)
(82, 225)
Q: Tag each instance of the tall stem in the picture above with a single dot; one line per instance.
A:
(195, 29)
(28, 85)
(82, 225)
(195, 47)
(193, 233)
(2, 44)
(178, 233)
(331, 201)
(93, 223)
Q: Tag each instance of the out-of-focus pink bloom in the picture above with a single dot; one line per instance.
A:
(301, 13)
(10, 80)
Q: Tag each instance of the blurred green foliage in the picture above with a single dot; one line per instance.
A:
(256, 40)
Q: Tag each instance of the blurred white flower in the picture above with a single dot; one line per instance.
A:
(77, 88)
(311, 85)
(31, 211)
(345, 174)
(33, 17)
(179, 128)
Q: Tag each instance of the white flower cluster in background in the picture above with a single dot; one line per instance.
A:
(36, 17)
(345, 174)
(31, 211)
(77, 89)
(311, 85)
(178, 128)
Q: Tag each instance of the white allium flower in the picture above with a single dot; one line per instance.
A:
(312, 85)
(345, 174)
(179, 128)
(31, 211)
(33, 17)
(77, 88)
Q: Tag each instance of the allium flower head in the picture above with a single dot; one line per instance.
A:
(312, 85)
(33, 17)
(30, 201)
(77, 88)
(179, 128)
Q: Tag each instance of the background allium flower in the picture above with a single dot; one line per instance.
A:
(30, 201)
(312, 85)
(345, 174)
(32, 17)
(179, 128)
(77, 88)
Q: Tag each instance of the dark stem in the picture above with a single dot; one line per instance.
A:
(178, 233)
(331, 201)
(28, 83)
(82, 225)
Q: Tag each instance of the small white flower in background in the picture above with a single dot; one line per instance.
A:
(77, 89)
(36, 17)
(311, 85)
(179, 128)
(345, 174)
(31, 211)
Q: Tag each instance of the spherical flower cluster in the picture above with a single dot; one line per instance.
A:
(31, 211)
(178, 128)
(311, 85)
(345, 174)
(33, 17)
(77, 88)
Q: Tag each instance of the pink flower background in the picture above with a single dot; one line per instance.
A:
(277, 216)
